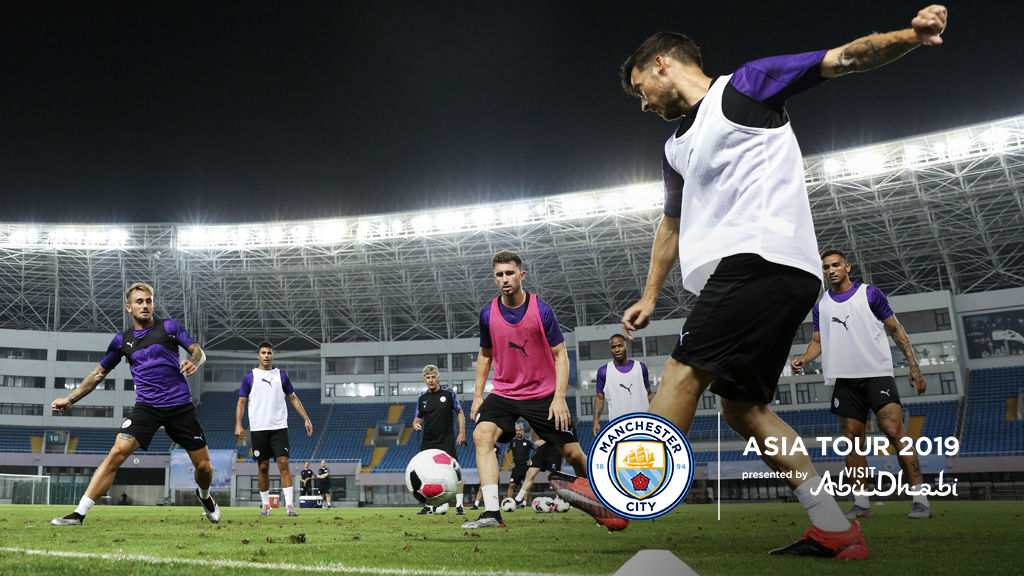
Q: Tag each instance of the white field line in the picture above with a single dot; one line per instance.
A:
(335, 568)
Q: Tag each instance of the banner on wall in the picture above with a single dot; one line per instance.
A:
(994, 334)
(182, 471)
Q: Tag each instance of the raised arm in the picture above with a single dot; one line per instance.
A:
(664, 254)
(899, 336)
(813, 351)
(89, 383)
(876, 50)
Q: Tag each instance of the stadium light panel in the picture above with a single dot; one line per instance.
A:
(997, 139)
(832, 166)
(612, 202)
(866, 163)
(912, 155)
(422, 224)
(483, 217)
(959, 146)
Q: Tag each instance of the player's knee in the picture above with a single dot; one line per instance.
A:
(482, 439)
(118, 454)
(204, 467)
(738, 416)
(894, 430)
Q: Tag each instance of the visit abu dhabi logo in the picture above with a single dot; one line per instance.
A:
(640, 466)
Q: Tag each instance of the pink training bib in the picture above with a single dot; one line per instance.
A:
(523, 366)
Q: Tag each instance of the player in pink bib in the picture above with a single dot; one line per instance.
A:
(520, 336)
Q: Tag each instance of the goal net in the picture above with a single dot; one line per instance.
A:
(24, 489)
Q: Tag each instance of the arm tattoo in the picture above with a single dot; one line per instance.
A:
(198, 356)
(88, 384)
(903, 343)
(870, 52)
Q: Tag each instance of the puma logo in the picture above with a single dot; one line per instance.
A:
(267, 381)
(843, 322)
(130, 344)
(627, 388)
(521, 348)
(886, 392)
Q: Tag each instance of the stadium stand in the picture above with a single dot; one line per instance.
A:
(989, 426)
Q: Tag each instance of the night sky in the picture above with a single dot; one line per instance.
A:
(254, 111)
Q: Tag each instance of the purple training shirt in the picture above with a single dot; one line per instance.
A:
(246, 388)
(602, 374)
(876, 301)
(155, 368)
(552, 330)
(770, 82)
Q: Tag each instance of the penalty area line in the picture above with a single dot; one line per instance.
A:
(321, 567)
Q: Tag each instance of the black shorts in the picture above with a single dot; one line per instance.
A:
(518, 474)
(269, 444)
(742, 325)
(504, 412)
(448, 447)
(179, 422)
(547, 458)
(853, 397)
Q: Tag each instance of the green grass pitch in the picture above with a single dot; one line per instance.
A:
(963, 538)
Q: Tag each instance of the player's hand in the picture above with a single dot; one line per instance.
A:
(559, 410)
(417, 426)
(797, 364)
(637, 317)
(309, 428)
(929, 24)
(187, 367)
(475, 407)
(461, 440)
(60, 404)
(239, 431)
(597, 428)
(917, 380)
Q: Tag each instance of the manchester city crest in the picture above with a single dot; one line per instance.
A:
(640, 466)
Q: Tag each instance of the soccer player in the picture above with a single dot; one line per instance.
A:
(162, 398)
(737, 219)
(323, 478)
(436, 407)
(625, 384)
(857, 361)
(266, 388)
(521, 447)
(306, 481)
(520, 336)
(545, 459)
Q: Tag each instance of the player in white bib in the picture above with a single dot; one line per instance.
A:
(850, 325)
(738, 221)
(623, 383)
(266, 388)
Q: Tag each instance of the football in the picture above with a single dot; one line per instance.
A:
(561, 505)
(508, 505)
(433, 477)
(543, 504)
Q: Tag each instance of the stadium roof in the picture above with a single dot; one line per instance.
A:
(943, 211)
